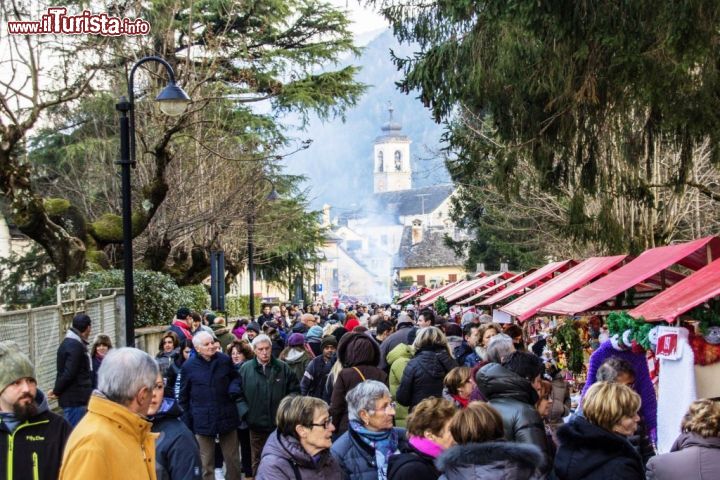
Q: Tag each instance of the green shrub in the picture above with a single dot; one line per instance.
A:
(441, 306)
(237, 306)
(195, 297)
(157, 296)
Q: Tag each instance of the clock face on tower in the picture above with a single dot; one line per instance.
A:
(398, 160)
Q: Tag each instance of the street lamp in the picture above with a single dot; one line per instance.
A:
(173, 101)
(271, 197)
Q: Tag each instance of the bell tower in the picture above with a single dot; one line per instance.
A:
(391, 158)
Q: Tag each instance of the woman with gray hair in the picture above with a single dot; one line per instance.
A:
(423, 377)
(364, 450)
(300, 446)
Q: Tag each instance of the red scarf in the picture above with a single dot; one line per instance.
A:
(462, 401)
(183, 327)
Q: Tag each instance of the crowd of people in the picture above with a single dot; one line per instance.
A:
(364, 392)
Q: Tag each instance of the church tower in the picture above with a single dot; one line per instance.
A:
(391, 154)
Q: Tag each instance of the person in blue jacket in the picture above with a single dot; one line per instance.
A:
(209, 385)
(177, 455)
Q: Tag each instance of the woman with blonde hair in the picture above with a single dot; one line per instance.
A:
(596, 446)
(481, 451)
(696, 452)
(424, 374)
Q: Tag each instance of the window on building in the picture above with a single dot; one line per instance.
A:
(354, 244)
(452, 277)
(421, 280)
(380, 161)
(398, 160)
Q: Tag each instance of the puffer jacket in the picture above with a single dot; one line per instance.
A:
(514, 398)
(177, 455)
(490, 460)
(208, 389)
(73, 381)
(691, 456)
(423, 376)
(356, 458)
(283, 458)
(589, 452)
(398, 358)
(404, 332)
(359, 356)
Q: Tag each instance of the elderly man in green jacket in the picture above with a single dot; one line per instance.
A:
(265, 382)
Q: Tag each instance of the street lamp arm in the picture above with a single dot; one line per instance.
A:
(131, 94)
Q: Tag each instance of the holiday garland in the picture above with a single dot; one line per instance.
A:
(568, 341)
(441, 306)
(619, 323)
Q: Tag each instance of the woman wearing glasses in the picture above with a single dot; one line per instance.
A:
(365, 449)
(300, 447)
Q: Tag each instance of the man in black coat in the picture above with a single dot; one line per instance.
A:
(73, 383)
(32, 438)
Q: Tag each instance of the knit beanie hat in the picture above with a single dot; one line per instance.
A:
(315, 332)
(14, 364)
(328, 340)
(296, 339)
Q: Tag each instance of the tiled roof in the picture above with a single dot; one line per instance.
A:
(430, 252)
(415, 201)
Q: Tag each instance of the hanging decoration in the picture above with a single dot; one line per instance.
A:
(569, 348)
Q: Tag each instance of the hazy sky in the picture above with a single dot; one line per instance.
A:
(364, 19)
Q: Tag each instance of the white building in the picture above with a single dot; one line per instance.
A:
(368, 247)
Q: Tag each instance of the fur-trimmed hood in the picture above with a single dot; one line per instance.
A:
(491, 460)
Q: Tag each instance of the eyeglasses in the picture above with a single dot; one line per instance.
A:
(390, 407)
(326, 424)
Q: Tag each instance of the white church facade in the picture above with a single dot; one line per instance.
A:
(399, 232)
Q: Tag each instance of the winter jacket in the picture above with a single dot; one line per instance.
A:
(491, 460)
(278, 345)
(357, 459)
(224, 336)
(560, 400)
(465, 355)
(174, 379)
(177, 455)
(514, 398)
(181, 329)
(423, 376)
(402, 335)
(208, 389)
(164, 360)
(315, 376)
(590, 452)
(412, 464)
(111, 443)
(359, 356)
(642, 443)
(283, 458)
(262, 390)
(96, 363)
(297, 360)
(36, 445)
(73, 382)
(691, 456)
(398, 358)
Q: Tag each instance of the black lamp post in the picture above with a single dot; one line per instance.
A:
(173, 101)
(272, 196)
